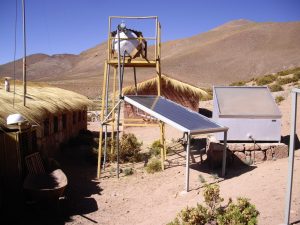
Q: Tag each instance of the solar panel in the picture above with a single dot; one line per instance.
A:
(174, 114)
(254, 102)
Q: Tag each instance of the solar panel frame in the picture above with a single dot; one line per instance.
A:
(245, 102)
(174, 114)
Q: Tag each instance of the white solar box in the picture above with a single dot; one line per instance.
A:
(250, 113)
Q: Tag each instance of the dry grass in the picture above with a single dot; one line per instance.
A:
(177, 85)
(42, 100)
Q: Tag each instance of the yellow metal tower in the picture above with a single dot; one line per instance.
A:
(117, 60)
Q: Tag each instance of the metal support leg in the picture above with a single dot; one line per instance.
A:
(106, 112)
(162, 141)
(112, 150)
(291, 159)
(187, 167)
(118, 140)
(224, 154)
(102, 117)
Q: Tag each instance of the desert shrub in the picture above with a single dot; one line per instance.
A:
(242, 212)
(279, 99)
(128, 171)
(238, 83)
(289, 71)
(130, 148)
(214, 176)
(287, 80)
(239, 213)
(201, 179)
(275, 87)
(153, 165)
(155, 147)
(297, 76)
(267, 79)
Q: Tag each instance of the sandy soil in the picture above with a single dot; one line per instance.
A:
(156, 199)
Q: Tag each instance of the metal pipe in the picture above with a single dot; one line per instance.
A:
(187, 166)
(146, 38)
(133, 17)
(106, 112)
(291, 159)
(24, 58)
(224, 154)
(111, 111)
(119, 107)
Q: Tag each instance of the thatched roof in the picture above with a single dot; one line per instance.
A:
(42, 100)
(167, 84)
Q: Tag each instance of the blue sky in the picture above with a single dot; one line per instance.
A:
(71, 26)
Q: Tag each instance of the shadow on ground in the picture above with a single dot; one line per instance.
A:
(286, 140)
(233, 169)
(78, 199)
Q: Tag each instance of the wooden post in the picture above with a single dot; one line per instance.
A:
(101, 118)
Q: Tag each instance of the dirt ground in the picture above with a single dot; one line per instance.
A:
(157, 198)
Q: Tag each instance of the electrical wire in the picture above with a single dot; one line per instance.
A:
(15, 51)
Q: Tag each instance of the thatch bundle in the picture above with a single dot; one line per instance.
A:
(41, 101)
(178, 91)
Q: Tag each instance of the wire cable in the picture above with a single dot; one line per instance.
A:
(15, 51)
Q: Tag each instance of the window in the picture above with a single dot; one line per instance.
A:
(74, 117)
(55, 124)
(64, 121)
(46, 127)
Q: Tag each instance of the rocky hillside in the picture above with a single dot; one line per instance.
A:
(238, 50)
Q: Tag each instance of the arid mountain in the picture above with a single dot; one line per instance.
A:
(238, 50)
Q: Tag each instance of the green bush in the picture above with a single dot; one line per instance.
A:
(154, 165)
(283, 81)
(201, 179)
(289, 71)
(275, 87)
(279, 99)
(128, 171)
(267, 79)
(238, 83)
(240, 213)
(155, 148)
(297, 76)
(129, 150)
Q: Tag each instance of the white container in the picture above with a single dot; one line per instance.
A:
(250, 113)
(126, 45)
